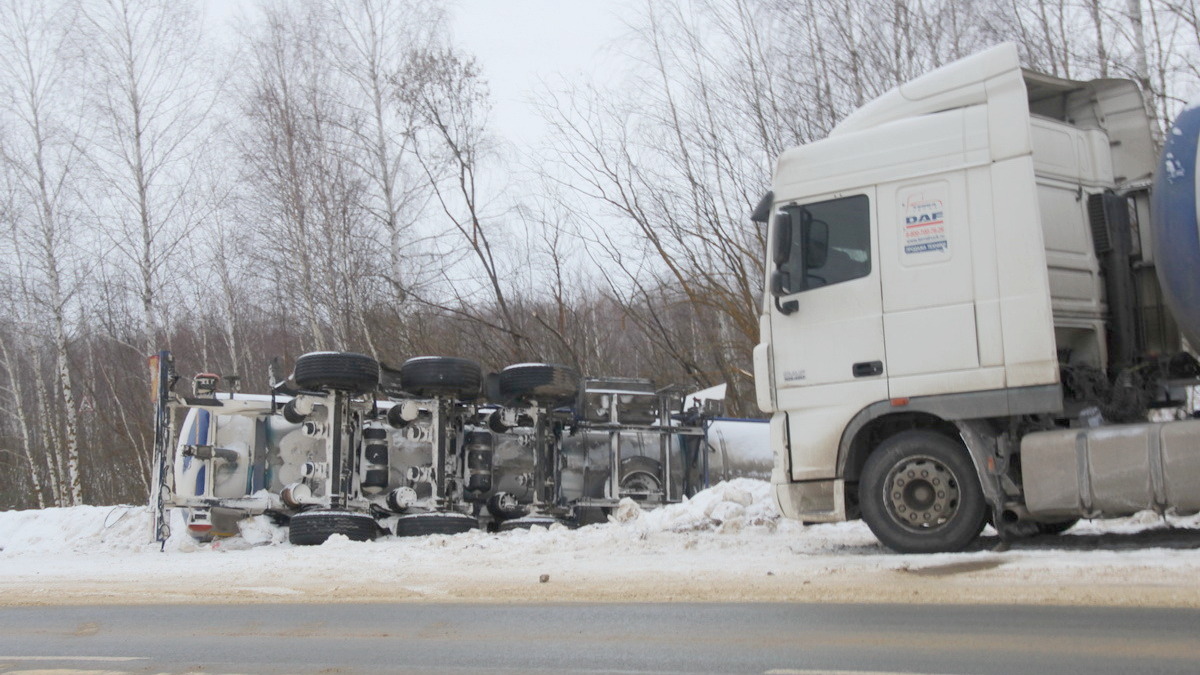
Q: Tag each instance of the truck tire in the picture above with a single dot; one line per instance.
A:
(1057, 527)
(441, 522)
(532, 521)
(542, 382)
(312, 528)
(919, 493)
(337, 371)
(441, 376)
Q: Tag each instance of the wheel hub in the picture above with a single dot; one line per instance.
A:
(921, 493)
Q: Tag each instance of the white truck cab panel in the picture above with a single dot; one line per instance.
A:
(963, 283)
(937, 311)
(988, 224)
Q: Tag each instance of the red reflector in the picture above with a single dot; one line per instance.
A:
(897, 402)
(200, 527)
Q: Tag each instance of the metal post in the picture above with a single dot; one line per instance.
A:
(664, 448)
(335, 483)
(614, 450)
(161, 373)
(438, 428)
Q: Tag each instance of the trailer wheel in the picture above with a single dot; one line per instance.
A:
(534, 520)
(337, 371)
(920, 494)
(1057, 527)
(441, 376)
(546, 383)
(441, 522)
(311, 528)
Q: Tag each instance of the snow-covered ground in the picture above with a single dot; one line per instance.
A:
(726, 544)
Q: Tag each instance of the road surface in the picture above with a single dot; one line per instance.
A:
(775, 639)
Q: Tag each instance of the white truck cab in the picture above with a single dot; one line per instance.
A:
(935, 266)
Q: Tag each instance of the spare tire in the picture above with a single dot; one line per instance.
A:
(337, 371)
(542, 382)
(441, 376)
(312, 528)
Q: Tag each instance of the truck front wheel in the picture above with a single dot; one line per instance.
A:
(920, 494)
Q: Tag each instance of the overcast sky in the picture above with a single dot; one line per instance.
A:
(520, 43)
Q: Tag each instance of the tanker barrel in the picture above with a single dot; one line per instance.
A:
(1176, 223)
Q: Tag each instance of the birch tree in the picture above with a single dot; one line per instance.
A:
(374, 40)
(42, 156)
(150, 103)
(308, 187)
(449, 99)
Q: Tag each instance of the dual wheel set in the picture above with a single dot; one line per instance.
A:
(459, 380)
(310, 528)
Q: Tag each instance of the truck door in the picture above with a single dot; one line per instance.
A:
(827, 343)
(932, 302)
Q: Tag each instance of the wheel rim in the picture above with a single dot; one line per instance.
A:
(921, 493)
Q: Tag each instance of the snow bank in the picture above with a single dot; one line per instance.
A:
(725, 508)
(742, 507)
(728, 543)
(79, 529)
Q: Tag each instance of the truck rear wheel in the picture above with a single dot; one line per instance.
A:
(920, 494)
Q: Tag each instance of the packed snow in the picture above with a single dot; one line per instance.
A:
(727, 543)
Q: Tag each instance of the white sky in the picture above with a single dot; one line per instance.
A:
(519, 45)
(523, 43)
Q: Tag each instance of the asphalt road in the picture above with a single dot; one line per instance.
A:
(778, 639)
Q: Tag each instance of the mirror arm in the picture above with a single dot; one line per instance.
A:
(788, 307)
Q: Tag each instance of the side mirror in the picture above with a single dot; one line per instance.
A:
(781, 284)
(816, 244)
(783, 238)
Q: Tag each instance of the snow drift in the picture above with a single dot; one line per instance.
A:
(728, 543)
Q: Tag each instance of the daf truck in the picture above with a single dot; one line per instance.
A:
(979, 293)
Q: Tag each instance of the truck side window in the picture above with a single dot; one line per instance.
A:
(831, 244)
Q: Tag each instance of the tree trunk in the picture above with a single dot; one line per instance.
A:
(18, 412)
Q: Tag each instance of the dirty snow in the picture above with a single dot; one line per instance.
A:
(728, 543)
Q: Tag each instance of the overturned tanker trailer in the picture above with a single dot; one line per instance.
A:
(348, 446)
